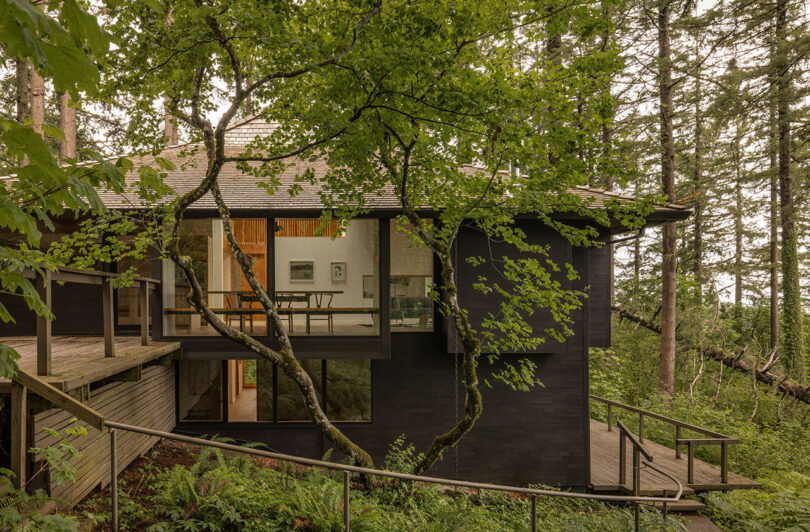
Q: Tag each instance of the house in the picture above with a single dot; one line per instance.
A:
(356, 304)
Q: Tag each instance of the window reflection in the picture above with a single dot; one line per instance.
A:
(411, 282)
(200, 390)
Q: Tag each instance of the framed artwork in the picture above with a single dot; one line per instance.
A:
(368, 286)
(338, 271)
(302, 270)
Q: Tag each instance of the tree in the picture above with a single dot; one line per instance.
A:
(438, 123)
(43, 47)
(669, 264)
(792, 353)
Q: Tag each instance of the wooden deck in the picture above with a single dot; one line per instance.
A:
(80, 360)
(605, 468)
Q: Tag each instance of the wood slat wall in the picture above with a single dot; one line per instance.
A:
(306, 227)
(148, 403)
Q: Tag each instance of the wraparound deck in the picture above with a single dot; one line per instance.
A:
(80, 360)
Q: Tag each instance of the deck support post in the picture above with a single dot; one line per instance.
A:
(107, 309)
(637, 485)
(724, 462)
(622, 458)
(19, 431)
(346, 491)
(690, 466)
(677, 441)
(641, 427)
(43, 285)
(114, 480)
(144, 306)
(534, 513)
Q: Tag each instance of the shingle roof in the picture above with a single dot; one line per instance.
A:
(244, 192)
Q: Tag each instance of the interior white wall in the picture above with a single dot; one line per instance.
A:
(358, 249)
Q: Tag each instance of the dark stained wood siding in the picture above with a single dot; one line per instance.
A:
(590, 263)
(599, 324)
(76, 309)
(523, 437)
(148, 403)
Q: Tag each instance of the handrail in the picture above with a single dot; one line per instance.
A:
(671, 421)
(632, 437)
(349, 469)
(78, 272)
(715, 438)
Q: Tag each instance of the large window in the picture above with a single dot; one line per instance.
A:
(411, 283)
(129, 302)
(200, 390)
(259, 391)
(327, 276)
(220, 275)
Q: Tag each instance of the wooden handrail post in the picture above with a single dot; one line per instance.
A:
(677, 440)
(636, 485)
(43, 285)
(724, 462)
(19, 432)
(610, 417)
(114, 480)
(690, 466)
(107, 309)
(641, 427)
(144, 307)
(622, 458)
(534, 513)
(346, 491)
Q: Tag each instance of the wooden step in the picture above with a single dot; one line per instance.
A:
(682, 506)
(651, 491)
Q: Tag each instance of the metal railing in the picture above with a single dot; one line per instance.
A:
(714, 438)
(349, 470)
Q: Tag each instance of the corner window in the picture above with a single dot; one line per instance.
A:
(411, 283)
(220, 275)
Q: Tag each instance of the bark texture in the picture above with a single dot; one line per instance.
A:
(37, 92)
(67, 122)
(23, 98)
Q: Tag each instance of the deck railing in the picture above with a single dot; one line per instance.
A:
(349, 470)
(44, 281)
(24, 381)
(713, 438)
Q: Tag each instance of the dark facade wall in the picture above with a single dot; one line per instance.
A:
(599, 296)
(592, 264)
(76, 308)
(521, 438)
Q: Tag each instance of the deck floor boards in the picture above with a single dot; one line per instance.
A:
(605, 467)
(80, 360)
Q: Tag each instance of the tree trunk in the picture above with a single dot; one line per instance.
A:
(773, 265)
(67, 122)
(170, 133)
(37, 93)
(23, 98)
(792, 354)
(666, 368)
(697, 190)
(738, 222)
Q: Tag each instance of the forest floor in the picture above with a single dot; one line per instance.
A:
(174, 483)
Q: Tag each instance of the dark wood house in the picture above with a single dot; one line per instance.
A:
(357, 307)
